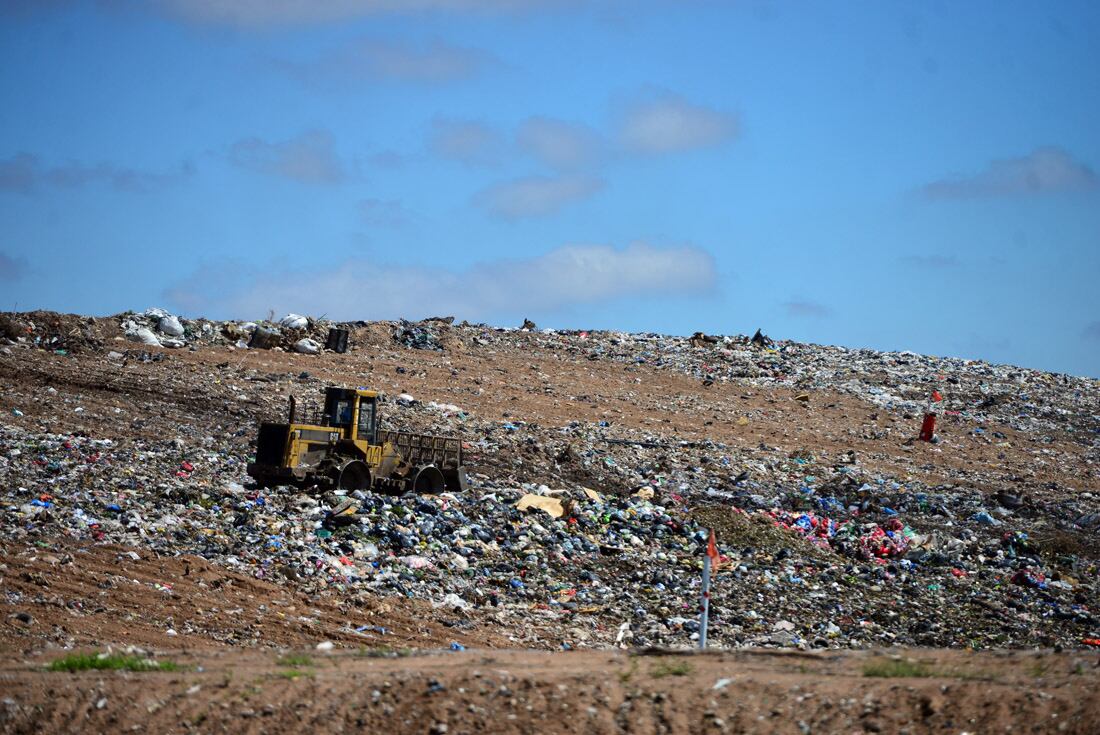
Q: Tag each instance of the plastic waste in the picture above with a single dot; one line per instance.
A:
(307, 347)
(294, 321)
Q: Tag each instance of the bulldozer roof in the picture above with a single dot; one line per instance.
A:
(362, 392)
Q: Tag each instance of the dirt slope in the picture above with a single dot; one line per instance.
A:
(85, 595)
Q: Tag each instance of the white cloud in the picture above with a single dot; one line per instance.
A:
(570, 276)
(466, 141)
(274, 13)
(309, 158)
(536, 196)
(1049, 169)
(559, 144)
(667, 123)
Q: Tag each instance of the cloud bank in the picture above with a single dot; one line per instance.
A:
(536, 196)
(26, 173)
(559, 144)
(570, 276)
(372, 59)
(309, 158)
(469, 142)
(260, 14)
(1044, 170)
(668, 123)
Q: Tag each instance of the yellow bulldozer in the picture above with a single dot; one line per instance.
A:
(346, 449)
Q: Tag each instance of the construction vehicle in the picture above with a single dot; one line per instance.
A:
(346, 449)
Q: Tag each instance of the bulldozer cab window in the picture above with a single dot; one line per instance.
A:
(366, 419)
(341, 414)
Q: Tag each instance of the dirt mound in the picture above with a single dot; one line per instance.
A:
(53, 331)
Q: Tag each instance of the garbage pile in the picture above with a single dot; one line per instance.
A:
(1023, 398)
(898, 382)
(419, 336)
(158, 328)
(580, 567)
(585, 530)
(47, 330)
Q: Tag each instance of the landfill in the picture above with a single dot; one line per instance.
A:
(599, 463)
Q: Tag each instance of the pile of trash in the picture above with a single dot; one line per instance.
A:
(584, 526)
(47, 330)
(1022, 398)
(899, 382)
(578, 566)
(158, 328)
(419, 335)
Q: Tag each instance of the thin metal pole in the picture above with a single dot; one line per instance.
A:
(706, 602)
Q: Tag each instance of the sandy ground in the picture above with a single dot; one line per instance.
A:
(484, 691)
(86, 596)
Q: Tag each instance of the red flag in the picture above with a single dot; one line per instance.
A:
(712, 548)
(936, 397)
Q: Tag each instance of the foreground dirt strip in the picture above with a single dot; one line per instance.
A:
(568, 692)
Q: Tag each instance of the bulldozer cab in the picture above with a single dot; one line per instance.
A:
(352, 411)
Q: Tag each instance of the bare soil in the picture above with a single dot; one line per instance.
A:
(87, 596)
(483, 691)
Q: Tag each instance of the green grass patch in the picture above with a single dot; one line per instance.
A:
(109, 662)
(293, 674)
(670, 668)
(894, 669)
(295, 659)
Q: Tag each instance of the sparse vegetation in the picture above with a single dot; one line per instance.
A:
(295, 660)
(670, 668)
(293, 674)
(896, 668)
(967, 674)
(109, 662)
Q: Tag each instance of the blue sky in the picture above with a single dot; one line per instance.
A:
(873, 174)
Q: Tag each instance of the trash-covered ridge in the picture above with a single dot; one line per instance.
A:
(821, 544)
